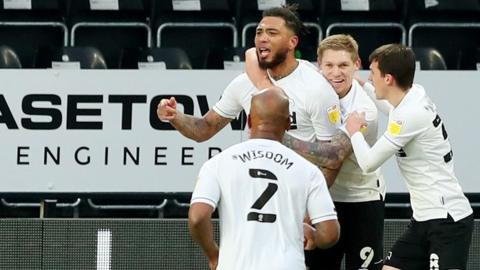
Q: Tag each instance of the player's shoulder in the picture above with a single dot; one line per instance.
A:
(362, 101)
(416, 106)
(314, 83)
(309, 72)
(412, 117)
(241, 80)
(412, 114)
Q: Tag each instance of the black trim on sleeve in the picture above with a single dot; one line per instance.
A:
(437, 121)
(448, 157)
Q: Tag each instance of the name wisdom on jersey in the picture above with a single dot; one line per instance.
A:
(256, 154)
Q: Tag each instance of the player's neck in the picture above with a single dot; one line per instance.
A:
(344, 93)
(396, 96)
(269, 135)
(284, 69)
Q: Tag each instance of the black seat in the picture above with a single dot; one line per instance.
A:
(174, 58)
(86, 57)
(429, 59)
(195, 28)
(26, 26)
(469, 59)
(372, 25)
(225, 58)
(448, 25)
(443, 11)
(8, 58)
(110, 28)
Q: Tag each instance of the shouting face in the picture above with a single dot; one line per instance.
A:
(273, 41)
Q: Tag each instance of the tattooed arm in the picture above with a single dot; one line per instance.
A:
(327, 155)
(200, 129)
(196, 128)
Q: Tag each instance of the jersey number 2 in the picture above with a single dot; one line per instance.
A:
(264, 197)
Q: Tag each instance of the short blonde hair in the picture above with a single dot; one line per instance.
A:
(340, 42)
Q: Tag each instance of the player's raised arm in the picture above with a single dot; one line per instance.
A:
(196, 128)
(256, 74)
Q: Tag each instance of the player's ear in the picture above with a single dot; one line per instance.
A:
(249, 121)
(358, 64)
(293, 42)
(389, 79)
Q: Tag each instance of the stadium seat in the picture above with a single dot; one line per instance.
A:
(429, 59)
(454, 11)
(448, 25)
(72, 58)
(138, 58)
(195, 28)
(372, 23)
(9, 58)
(226, 58)
(469, 59)
(110, 28)
(28, 25)
(250, 13)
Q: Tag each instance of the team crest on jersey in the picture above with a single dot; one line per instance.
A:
(363, 129)
(395, 127)
(334, 114)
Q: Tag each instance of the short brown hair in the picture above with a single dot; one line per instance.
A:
(397, 60)
(289, 14)
(339, 42)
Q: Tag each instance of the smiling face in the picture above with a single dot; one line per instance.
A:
(273, 42)
(339, 68)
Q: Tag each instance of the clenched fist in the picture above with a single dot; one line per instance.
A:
(167, 109)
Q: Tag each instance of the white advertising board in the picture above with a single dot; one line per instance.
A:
(87, 131)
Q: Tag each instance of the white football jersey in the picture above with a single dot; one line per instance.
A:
(352, 184)
(262, 190)
(314, 105)
(418, 136)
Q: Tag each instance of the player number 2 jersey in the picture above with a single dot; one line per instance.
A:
(262, 190)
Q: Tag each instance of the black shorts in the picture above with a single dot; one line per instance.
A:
(435, 244)
(361, 239)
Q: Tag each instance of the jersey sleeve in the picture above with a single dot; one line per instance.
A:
(370, 159)
(207, 188)
(229, 105)
(320, 206)
(404, 126)
(324, 110)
